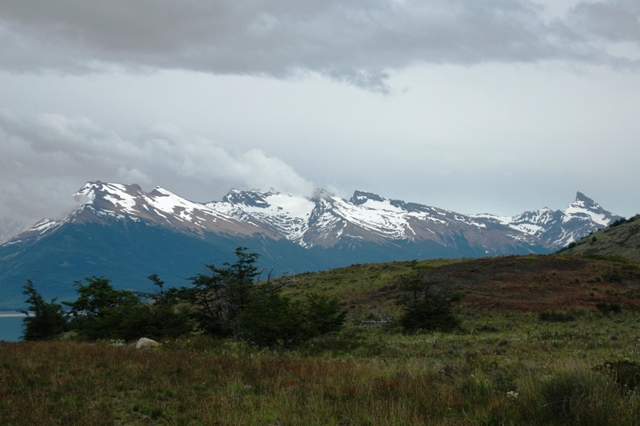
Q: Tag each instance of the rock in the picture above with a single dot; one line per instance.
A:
(144, 343)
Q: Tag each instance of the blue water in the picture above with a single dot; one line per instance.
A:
(10, 328)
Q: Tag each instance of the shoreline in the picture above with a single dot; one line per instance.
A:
(11, 314)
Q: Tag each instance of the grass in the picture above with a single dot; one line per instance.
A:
(525, 371)
(540, 353)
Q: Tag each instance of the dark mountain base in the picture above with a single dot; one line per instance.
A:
(127, 252)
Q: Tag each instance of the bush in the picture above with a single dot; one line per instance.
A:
(618, 222)
(431, 306)
(609, 308)
(229, 301)
(554, 316)
(271, 319)
(566, 396)
(44, 321)
(432, 314)
(102, 312)
(322, 315)
(625, 373)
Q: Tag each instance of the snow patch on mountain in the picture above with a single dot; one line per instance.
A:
(326, 220)
(559, 227)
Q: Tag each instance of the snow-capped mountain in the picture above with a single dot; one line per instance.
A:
(102, 202)
(124, 233)
(281, 214)
(560, 227)
(326, 220)
(10, 227)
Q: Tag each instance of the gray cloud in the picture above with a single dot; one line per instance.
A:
(614, 20)
(358, 42)
(45, 158)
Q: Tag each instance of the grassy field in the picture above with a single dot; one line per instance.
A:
(524, 363)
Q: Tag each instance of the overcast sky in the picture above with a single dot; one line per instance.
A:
(496, 106)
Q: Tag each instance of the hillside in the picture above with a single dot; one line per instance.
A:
(511, 283)
(622, 238)
(510, 362)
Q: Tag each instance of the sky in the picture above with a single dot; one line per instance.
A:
(476, 106)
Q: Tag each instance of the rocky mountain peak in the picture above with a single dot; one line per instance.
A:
(584, 201)
(248, 198)
(361, 197)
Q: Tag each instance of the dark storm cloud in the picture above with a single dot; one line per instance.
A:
(355, 41)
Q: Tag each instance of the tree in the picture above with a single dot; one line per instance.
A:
(44, 320)
(430, 308)
(230, 301)
(102, 312)
(322, 315)
(221, 295)
(165, 318)
(272, 319)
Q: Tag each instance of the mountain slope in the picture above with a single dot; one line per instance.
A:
(560, 227)
(124, 233)
(9, 228)
(326, 220)
(620, 239)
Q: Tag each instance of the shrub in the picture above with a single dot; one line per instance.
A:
(431, 306)
(618, 222)
(271, 319)
(229, 301)
(102, 312)
(625, 373)
(322, 315)
(566, 396)
(44, 321)
(608, 308)
(554, 316)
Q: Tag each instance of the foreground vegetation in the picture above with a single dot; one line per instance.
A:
(498, 368)
(538, 340)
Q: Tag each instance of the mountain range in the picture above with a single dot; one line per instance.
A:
(124, 233)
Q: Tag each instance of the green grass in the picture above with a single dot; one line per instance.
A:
(355, 284)
(500, 368)
(522, 371)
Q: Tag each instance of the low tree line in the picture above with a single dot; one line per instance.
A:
(227, 301)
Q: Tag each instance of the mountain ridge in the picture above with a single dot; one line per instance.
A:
(124, 233)
(325, 219)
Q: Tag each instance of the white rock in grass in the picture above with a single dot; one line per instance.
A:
(146, 343)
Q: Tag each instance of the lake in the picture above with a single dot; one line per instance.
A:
(11, 326)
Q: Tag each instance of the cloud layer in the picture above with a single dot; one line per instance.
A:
(354, 41)
(53, 155)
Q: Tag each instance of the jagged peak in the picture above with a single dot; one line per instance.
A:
(253, 198)
(584, 201)
(361, 197)
(581, 197)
